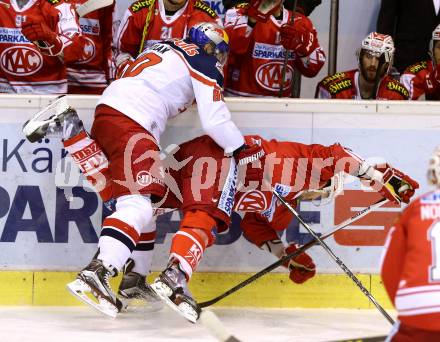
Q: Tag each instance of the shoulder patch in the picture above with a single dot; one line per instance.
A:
(200, 5)
(398, 88)
(54, 2)
(338, 86)
(415, 68)
(138, 5)
(331, 78)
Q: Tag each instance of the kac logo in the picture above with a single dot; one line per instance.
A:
(21, 61)
(269, 76)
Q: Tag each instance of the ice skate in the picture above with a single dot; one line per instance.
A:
(171, 286)
(56, 120)
(94, 280)
(134, 290)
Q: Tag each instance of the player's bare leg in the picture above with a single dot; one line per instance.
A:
(187, 248)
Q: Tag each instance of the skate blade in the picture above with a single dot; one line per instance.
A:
(32, 128)
(141, 305)
(183, 309)
(79, 288)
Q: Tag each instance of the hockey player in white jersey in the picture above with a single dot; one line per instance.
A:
(129, 119)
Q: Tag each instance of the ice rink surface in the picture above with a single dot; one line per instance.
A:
(81, 324)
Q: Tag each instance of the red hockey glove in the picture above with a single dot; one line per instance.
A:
(245, 155)
(36, 30)
(301, 267)
(261, 10)
(393, 184)
(299, 36)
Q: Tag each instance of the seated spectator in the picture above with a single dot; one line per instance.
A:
(91, 73)
(371, 81)
(260, 33)
(147, 22)
(410, 23)
(424, 77)
(37, 38)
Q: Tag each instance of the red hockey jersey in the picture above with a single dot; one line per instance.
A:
(416, 79)
(90, 74)
(256, 57)
(23, 68)
(411, 263)
(162, 26)
(345, 85)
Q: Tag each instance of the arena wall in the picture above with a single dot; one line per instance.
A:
(49, 223)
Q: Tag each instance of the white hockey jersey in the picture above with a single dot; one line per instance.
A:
(164, 81)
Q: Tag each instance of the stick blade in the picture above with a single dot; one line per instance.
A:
(92, 5)
(213, 324)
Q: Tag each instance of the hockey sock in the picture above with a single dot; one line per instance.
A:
(190, 242)
(143, 253)
(121, 230)
(91, 161)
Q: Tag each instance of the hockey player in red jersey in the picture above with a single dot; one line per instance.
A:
(29, 68)
(371, 80)
(129, 120)
(259, 41)
(424, 77)
(411, 265)
(92, 72)
(147, 22)
(290, 168)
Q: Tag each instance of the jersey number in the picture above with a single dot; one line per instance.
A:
(434, 237)
(141, 63)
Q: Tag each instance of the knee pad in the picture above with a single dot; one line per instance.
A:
(135, 210)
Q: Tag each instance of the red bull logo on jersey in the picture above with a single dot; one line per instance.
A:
(269, 76)
(21, 60)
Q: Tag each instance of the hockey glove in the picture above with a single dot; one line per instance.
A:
(246, 155)
(261, 10)
(123, 62)
(42, 36)
(391, 183)
(299, 36)
(301, 267)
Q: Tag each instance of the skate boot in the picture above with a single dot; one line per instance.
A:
(134, 290)
(172, 288)
(56, 120)
(94, 280)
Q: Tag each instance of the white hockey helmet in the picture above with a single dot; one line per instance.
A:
(434, 168)
(435, 37)
(214, 35)
(380, 46)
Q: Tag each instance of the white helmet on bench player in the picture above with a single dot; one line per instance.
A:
(432, 45)
(380, 46)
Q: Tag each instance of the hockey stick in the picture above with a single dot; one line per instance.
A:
(92, 5)
(301, 249)
(335, 258)
(146, 26)
(286, 56)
